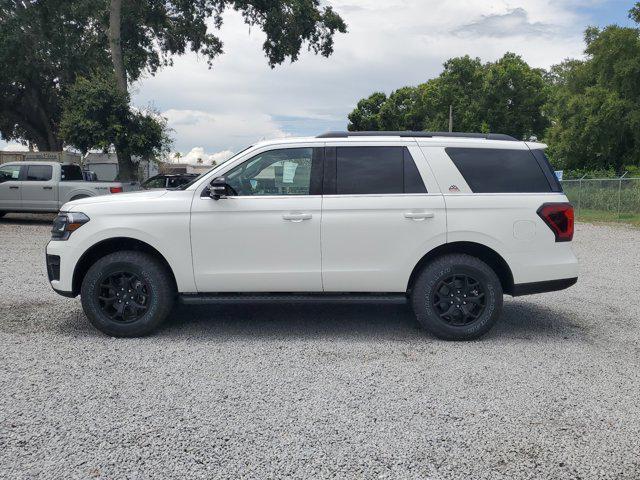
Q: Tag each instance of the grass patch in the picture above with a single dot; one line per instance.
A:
(588, 215)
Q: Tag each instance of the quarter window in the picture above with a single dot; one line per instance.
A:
(39, 173)
(276, 172)
(492, 170)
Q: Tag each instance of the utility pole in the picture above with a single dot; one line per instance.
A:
(450, 118)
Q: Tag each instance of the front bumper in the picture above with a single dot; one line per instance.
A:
(60, 265)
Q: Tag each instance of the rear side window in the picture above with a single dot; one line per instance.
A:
(491, 170)
(41, 173)
(71, 173)
(376, 170)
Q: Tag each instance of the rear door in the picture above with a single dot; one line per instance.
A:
(382, 211)
(10, 188)
(39, 190)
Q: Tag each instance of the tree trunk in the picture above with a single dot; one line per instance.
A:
(127, 171)
(115, 44)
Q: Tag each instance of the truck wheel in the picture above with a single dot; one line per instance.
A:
(127, 294)
(457, 297)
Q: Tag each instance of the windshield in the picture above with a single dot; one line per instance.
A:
(187, 185)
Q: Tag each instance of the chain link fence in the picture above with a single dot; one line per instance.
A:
(606, 199)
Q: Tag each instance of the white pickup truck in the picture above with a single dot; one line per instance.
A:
(45, 186)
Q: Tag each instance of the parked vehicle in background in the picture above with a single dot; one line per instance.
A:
(38, 187)
(167, 181)
(448, 222)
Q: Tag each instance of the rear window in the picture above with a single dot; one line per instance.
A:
(492, 170)
(71, 172)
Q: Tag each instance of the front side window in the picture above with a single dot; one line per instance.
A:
(9, 172)
(276, 172)
(39, 173)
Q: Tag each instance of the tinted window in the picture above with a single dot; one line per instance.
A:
(71, 172)
(174, 182)
(40, 173)
(369, 170)
(489, 170)
(412, 180)
(9, 172)
(155, 182)
(276, 172)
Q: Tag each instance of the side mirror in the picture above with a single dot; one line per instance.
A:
(218, 188)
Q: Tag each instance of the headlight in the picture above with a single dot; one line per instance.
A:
(67, 223)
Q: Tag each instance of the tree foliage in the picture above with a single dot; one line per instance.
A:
(595, 103)
(97, 115)
(505, 96)
(44, 45)
(49, 44)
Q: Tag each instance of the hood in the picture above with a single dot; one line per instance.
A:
(114, 198)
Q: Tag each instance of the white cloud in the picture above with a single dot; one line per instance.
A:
(389, 44)
(197, 155)
(14, 147)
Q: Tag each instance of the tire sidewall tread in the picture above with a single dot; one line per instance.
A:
(156, 277)
(430, 277)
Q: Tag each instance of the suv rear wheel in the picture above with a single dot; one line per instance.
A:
(457, 297)
(127, 294)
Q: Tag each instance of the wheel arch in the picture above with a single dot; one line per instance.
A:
(478, 250)
(111, 245)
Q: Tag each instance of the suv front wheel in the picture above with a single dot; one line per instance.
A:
(457, 297)
(127, 294)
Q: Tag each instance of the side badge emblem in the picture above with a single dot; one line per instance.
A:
(454, 189)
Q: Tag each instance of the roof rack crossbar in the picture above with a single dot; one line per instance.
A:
(485, 136)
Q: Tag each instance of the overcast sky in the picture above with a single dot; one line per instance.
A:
(389, 44)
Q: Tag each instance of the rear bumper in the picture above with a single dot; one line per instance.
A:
(521, 289)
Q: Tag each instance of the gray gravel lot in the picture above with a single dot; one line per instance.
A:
(323, 391)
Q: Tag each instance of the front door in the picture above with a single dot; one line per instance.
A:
(265, 235)
(39, 191)
(10, 194)
(378, 219)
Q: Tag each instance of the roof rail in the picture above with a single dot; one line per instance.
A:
(485, 136)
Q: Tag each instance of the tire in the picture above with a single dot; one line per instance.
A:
(2, 214)
(450, 315)
(124, 277)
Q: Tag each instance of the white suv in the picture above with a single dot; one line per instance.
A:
(448, 222)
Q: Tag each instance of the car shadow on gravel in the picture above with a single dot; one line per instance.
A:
(520, 320)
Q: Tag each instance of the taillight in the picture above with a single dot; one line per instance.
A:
(559, 217)
(115, 189)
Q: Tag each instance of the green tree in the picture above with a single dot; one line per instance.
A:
(44, 45)
(366, 116)
(506, 97)
(97, 115)
(595, 103)
(49, 43)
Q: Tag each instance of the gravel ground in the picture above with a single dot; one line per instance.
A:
(323, 391)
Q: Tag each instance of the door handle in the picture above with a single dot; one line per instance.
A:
(47, 188)
(14, 188)
(297, 217)
(418, 216)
